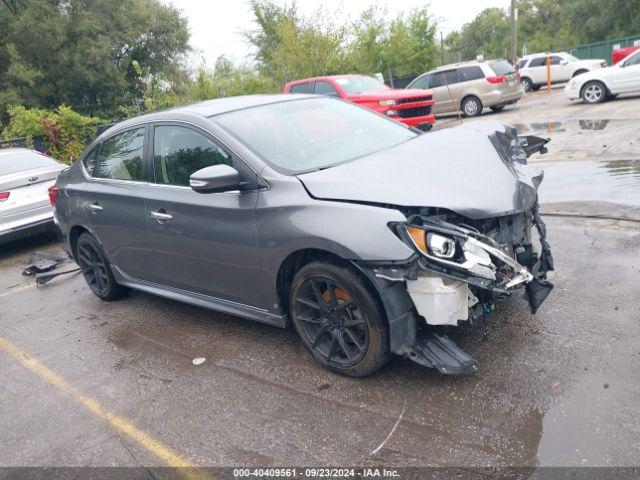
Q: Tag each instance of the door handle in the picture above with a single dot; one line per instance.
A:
(94, 207)
(161, 216)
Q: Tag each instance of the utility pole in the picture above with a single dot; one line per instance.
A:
(514, 29)
(441, 49)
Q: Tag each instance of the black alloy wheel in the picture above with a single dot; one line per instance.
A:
(338, 319)
(96, 270)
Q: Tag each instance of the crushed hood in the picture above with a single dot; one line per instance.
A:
(477, 170)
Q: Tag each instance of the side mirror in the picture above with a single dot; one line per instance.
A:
(564, 62)
(217, 178)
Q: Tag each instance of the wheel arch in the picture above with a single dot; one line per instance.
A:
(298, 259)
(595, 80)
(74, 234)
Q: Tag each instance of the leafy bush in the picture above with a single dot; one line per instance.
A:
(63, 132)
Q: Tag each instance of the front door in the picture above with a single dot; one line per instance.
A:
(113, 201)
(626, 78)
(447, 91)
(204, 243)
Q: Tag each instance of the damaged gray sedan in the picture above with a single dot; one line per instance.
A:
(365, 235)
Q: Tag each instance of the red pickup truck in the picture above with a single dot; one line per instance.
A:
(409, 106)
(620, 53)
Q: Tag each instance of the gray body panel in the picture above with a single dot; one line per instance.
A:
(457, 169)
(224, 250)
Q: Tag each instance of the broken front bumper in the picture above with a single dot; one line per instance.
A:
(444, 284)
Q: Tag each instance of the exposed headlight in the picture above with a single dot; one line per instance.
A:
(431, 243)
(387, 103)
(392, 113)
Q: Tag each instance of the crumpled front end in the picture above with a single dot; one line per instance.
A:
(463, 265)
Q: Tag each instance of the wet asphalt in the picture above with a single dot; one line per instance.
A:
(556, 389)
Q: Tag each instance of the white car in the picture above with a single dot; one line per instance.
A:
(598, 85)
(25, 178)
(564, 66)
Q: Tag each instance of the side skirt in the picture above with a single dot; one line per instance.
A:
(200, 300)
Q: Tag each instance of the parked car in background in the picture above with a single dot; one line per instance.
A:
(25, 178)
(302, 209)
(598, 85)
(620, 53)
(469, 87)
(564, 66)
(412, 107)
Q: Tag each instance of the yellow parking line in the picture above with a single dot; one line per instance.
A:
(18, 289)
(117, 422)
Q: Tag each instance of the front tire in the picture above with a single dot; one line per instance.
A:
(471, 107)
(96, 269)
(339, 319)
(594, 92)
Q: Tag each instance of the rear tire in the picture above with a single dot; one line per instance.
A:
(527, 84)
(594, 92)
(96, 269)
(339, 319)
(471, 106)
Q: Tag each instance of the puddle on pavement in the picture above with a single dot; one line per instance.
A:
(616, 181)
(571, 125)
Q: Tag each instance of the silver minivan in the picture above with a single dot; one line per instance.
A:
(469, 87)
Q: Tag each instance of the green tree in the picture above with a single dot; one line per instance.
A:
(95, 55)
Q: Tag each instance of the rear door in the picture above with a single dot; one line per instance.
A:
(113, 200)
(560, 69)
(25, 177)
(537, 70)
(204, 242)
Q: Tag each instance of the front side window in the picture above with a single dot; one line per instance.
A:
(179, 152)
(90, 159)
(633, 59)
(121, 156)
(522, 63)
(302, 88)
(420, 82)
(325, 88)
(310, 134)
(555, 60)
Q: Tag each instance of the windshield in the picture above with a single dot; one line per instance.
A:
(570, 58)
(501, 67)
(360, 84)
(311, 134)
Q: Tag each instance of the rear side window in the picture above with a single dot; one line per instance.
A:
(302, 88)
(89, 160)
(502, 67)
(471, 73)
(19, 161)
(538, 62)
(325, 88)
(440, 79)
(121, 156)
(180, 151)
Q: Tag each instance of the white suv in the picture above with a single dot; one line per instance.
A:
(533, 68)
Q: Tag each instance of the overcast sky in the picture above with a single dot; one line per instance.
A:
(215, 25)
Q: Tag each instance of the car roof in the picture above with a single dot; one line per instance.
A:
(457, 65)
(18, 150)
(210, 108)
